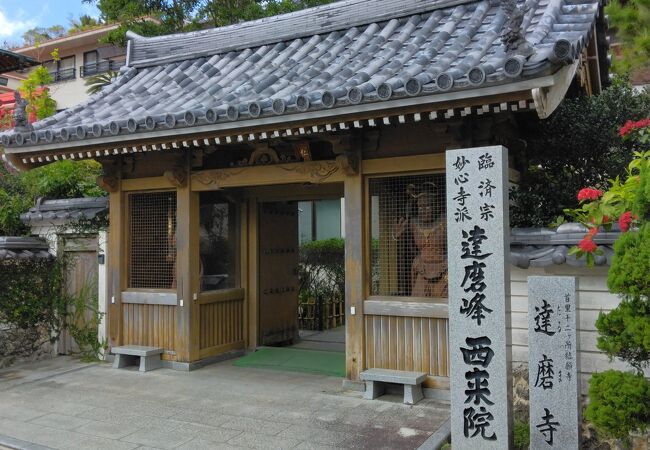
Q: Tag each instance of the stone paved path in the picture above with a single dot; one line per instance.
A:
(64, 404)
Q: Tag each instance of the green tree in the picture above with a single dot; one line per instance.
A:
(39, 34)
(63, 179)
(620, 401)
(631, 21)
(158, 17)
(578, 146)
(83, 23)
(97, 82)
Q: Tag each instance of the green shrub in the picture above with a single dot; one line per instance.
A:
(578, 146)
(322, 268)
(32, 305)
(629, 274)
(83, 322)
(619, 403)
(625, 332)
(522, 435)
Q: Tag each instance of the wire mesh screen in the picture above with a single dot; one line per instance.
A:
(152, 240)
(409, 236)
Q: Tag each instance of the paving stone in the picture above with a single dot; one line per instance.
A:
(210, 433)
(261, 426)
(203, 444)
(60, 421)
(271, 407)
(98, 443)
(314, 446)
(315, 434)
(263, 441)
(19, 413)
(106, 429)
(39, 434)
(157, 437)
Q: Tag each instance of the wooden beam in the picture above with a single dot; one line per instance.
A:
(149, 297)
(226, 295)
(315, 172)
(417, 163)
(116, 266)
(143, 184)
(187, 273)
(354, 282)
(406, 307)
(244, 276)
(253, 265)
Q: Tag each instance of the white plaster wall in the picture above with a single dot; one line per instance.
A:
(102, 286)
(69, 93)
(593, 297)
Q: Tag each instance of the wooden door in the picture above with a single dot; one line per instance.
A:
(278, 275)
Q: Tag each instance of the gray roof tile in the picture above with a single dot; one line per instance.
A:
(337, 55)
(542, 247)
(50, 211)
(23, 248)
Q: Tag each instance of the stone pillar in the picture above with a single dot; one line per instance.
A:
(552, 363)
(479, 297)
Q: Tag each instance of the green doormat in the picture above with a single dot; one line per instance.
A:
(296, 360)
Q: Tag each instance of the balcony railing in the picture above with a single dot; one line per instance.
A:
(63, 75)
(91, 69)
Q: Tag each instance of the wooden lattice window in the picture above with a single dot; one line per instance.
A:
(409, 236)
(152, 240)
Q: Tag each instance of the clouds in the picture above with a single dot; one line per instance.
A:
(14, 28)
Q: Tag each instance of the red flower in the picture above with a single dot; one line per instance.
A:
(589, 194)
(625, 220)
(592, 232)
(587, 245)
(631, 126)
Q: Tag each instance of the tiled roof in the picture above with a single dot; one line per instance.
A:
(542, 247)
(65, 210)
(10, 61)
(333, 58)
(23, 248)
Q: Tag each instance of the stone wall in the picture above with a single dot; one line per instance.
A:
(18, 345)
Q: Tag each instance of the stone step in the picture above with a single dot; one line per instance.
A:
(393, 376)
(126, 356)
(136, 350)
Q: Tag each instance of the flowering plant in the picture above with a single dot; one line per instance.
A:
(626, 202)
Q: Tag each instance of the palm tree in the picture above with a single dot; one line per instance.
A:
(83, 23)
(97, 82)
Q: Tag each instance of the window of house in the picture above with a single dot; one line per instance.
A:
(408, 236)
(90, 63)
(152, 240)
(61, 70)
(4, 81)
(219, 242)
(67, 68)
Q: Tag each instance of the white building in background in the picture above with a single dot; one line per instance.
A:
(80, 55)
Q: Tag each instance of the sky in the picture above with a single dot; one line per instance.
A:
(18, 16)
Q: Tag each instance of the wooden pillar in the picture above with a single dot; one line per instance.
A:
(354, 281)
(252, 321)
(116, 266)
(187, 272)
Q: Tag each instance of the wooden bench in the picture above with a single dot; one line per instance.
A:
(376, 378)
(127, 354)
